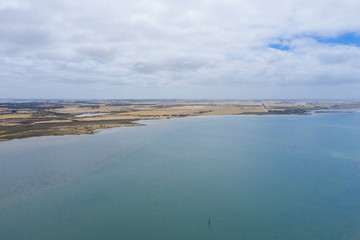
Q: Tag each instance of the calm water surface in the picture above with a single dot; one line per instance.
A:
(257, 177)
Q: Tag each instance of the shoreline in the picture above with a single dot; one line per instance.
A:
(20, 120)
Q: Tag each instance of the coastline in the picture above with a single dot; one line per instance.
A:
(57, 118)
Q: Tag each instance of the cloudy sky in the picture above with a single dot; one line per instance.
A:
(220, 49)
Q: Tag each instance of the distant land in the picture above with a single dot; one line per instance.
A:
(30, 118)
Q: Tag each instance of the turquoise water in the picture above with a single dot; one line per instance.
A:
(257, 177)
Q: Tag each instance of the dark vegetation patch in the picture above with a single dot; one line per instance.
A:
(90, 106)
(288, 111)
(46, 125)
(342, 106)
(38, 106)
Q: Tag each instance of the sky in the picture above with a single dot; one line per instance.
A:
(202, 49)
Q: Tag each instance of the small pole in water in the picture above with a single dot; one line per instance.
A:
(209, 220)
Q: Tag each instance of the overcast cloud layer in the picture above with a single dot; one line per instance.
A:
(179, 49)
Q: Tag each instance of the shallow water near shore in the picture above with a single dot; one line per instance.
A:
(257, 177)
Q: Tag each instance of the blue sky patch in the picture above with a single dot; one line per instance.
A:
(279, 46)
(344, 39)
(350, 39)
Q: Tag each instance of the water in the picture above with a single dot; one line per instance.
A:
(257, 177)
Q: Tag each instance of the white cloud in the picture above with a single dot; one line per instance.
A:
(12, 4)
(167, 44)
